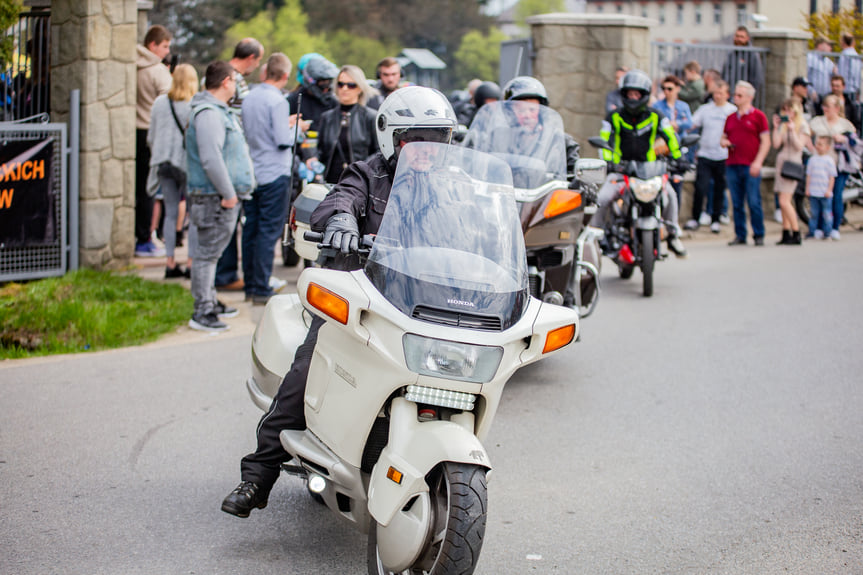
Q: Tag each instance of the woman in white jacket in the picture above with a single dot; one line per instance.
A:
(168, 121)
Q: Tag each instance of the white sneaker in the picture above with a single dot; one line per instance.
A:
(834, 235)
(714, 227)
(818, 235)
(704, 219)
(277, 284)
(691, 225)
(724, 220)
(777, 216)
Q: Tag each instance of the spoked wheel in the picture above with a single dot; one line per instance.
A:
(458, 499)
(648, 256)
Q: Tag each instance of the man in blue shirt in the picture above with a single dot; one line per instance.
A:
(269, 133)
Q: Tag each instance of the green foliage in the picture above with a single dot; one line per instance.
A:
(478, 56)
(347, 48)
(527, 8)
(283, 30)
(9, 11)
(87, 310)
(832, 25)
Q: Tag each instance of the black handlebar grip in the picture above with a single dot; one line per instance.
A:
(316, 237)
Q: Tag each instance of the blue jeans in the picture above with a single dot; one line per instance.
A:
(821, 210)
(265, 220)
(838, 206)
(745, 188)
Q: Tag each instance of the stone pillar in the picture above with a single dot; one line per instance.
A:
(575, 56)
(785, 61)
(93, 50)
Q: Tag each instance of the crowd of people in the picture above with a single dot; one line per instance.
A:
(737, 138)
(220, 149)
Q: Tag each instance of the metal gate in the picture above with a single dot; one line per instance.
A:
(33, 238)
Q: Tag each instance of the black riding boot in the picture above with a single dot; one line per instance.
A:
(786, 238)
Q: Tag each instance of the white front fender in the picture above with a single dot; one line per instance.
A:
(414, 449)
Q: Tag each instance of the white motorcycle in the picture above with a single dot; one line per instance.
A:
(412, 359)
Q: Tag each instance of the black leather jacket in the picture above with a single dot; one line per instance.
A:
(363, 140)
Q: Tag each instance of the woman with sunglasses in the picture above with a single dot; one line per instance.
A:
(678, 113)
(347, 133)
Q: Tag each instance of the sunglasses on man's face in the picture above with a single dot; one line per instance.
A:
(668, 88)
(348, 85)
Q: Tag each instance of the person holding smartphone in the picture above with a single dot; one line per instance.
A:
(790, 137)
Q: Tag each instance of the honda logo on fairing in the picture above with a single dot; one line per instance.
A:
(460, 302)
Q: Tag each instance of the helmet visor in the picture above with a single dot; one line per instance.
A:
(408, 135)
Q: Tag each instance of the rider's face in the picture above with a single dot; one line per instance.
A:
(419, 156)
(527, 112)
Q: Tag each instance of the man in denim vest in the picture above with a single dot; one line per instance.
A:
(219, 175)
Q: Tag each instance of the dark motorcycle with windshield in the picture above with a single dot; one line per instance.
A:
(562, 249)
(634, 229)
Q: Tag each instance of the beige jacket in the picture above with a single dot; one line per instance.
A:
(154, 79)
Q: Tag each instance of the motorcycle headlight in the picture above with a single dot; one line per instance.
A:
(451, 359)
(646, 190)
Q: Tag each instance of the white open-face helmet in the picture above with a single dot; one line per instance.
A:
(414, 114)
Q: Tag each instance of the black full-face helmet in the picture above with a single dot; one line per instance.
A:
(635, 80)
(525, 87)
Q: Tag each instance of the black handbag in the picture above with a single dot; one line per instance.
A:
(793, 171)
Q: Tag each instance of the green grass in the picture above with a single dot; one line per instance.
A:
(87, 310)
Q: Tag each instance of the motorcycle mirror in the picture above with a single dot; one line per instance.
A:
(591, 170)
(600, 143)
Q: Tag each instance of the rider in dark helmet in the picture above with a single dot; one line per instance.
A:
(318, 76)
(528, 88)
(631, 131)
(485, 93)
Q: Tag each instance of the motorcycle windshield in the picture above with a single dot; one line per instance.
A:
(449, 248)
(644, 170)
(526, 135)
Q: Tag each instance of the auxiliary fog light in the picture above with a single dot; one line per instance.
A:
(440, 397)
(451, 359)
(317, 484)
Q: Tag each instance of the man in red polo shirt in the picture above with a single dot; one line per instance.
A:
(747, 137)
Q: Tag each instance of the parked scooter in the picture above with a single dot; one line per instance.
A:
(409, 368)
(634, 230)
(563, 251)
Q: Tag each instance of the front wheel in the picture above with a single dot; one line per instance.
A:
(648, 256)
(458, 503)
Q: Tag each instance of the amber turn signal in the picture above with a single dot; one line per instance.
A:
(327, 302)
(394, 474)
(557, 338)
(562, 201)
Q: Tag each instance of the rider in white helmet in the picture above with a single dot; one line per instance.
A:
(353, 208)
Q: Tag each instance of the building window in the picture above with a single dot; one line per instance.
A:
(619, 8)
(679, 15)
(644, 10)
(717, 14)
(697, 8)
(741, 15)
(662, 13)
(600, 8)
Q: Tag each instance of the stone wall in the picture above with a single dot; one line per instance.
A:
(575, 56)
(93, 50)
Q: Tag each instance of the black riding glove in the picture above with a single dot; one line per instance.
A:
(342, 233)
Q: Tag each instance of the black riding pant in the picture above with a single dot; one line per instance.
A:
(286, 412)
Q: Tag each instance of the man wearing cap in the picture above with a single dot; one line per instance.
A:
(800, 89)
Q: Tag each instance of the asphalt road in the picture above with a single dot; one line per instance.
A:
(714, 428)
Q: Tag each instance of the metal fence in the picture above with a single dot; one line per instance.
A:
(33, 242)
(25, 83)
(821, 66)
(734, 63)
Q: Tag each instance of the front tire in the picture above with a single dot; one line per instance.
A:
(647, 260)
(459, 502)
